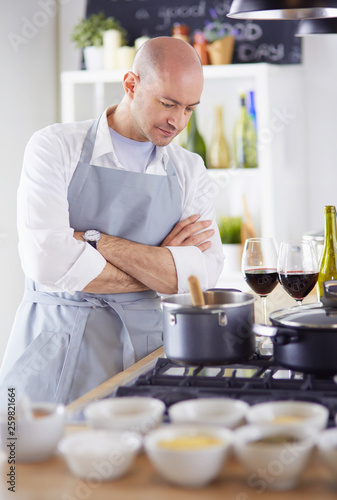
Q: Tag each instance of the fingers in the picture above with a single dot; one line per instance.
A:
(196, 239)
(181, 225)
(190, 232)
(204, 246)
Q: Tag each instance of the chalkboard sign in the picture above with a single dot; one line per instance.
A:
(255, 41)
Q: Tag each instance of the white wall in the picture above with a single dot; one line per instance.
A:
(320, 66)
(27, 103)
(29, 85)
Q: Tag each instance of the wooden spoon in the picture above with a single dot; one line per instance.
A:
(195, 291)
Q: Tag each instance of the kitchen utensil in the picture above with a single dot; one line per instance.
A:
(137, 414)
(219, 332)
(188, 464)
(36, 432)
(327, 448)
(260, 447)
(289, 414)
(195, 291)
(305, 337)
(249, 224)
(99, 454)
(226, 412)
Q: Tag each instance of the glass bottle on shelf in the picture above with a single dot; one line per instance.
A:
(200, 46)
(244, 138)
(251, 106)
(218, 152)
(328, 266)
(181, 31)
(195, 141)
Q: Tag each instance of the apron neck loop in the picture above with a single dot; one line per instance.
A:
(89, 142)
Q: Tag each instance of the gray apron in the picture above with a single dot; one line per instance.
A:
(63, 345)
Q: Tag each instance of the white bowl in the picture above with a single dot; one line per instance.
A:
(37, 436)
(327, 447)
(99, 455)
(289, 413)
(189, 467)
(138, 414)
(274, 466)
(221, 411)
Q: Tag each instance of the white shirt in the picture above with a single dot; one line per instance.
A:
(51, 255)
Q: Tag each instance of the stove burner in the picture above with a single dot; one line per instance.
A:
(255, 381)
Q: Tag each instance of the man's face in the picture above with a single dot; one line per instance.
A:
(161, 107)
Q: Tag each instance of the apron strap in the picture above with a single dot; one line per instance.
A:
(89, 142)
(69, 365)
(81, 320)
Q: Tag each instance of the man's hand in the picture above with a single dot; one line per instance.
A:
(189, 232)
(79, 235)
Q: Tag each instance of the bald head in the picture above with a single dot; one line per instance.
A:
(161, 91)
(164, 56)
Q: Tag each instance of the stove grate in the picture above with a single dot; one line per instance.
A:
(255, 381)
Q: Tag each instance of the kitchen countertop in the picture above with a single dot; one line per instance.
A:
(51, 479)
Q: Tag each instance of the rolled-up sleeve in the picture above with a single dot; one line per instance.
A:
(49, 252)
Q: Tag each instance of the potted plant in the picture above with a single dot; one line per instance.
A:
(220, 44)
(230, 234)
(88, 35)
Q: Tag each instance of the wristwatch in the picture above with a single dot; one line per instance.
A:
(92, 236)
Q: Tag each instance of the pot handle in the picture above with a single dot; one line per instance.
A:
(280, 336)
(222, 317)
(264, 330)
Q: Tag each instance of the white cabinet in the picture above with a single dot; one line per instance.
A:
(276, 190)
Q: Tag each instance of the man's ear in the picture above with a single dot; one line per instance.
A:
(130, 81)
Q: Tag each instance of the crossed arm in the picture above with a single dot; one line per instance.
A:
(133, 267)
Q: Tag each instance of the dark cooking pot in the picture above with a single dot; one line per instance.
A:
(305, 337)
(217, 333)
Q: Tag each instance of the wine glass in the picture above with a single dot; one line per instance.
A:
(297, 268)
(259, 268)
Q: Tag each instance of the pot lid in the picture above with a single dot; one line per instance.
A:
(310, 316)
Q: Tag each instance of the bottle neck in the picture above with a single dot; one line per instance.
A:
(218, 121)
(330, 228)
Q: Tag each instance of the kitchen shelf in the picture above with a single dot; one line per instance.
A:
(280, 125)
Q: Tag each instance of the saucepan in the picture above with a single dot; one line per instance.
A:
(305, 337)
(218, 332)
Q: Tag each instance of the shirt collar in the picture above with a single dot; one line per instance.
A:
(103, 144)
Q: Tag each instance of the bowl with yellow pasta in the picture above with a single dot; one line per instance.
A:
(189, 455)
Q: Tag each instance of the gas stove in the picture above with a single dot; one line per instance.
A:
(255, 381)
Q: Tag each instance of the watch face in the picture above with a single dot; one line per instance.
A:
(92, 235)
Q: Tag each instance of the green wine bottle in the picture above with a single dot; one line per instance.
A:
(218, 153)
(245, 138)
(195, 142)
(328, 267)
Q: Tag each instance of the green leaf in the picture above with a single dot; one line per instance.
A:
(89, 32)
(230, 229)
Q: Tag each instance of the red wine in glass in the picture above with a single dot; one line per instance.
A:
(262, 281)
(298, 284)
(297, 268)
(259, 268)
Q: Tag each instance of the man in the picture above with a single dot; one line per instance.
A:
(110, 214)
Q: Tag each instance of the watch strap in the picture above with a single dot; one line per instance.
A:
(93, 244)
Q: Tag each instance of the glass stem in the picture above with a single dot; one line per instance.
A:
(264, 310)
(299, 302)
